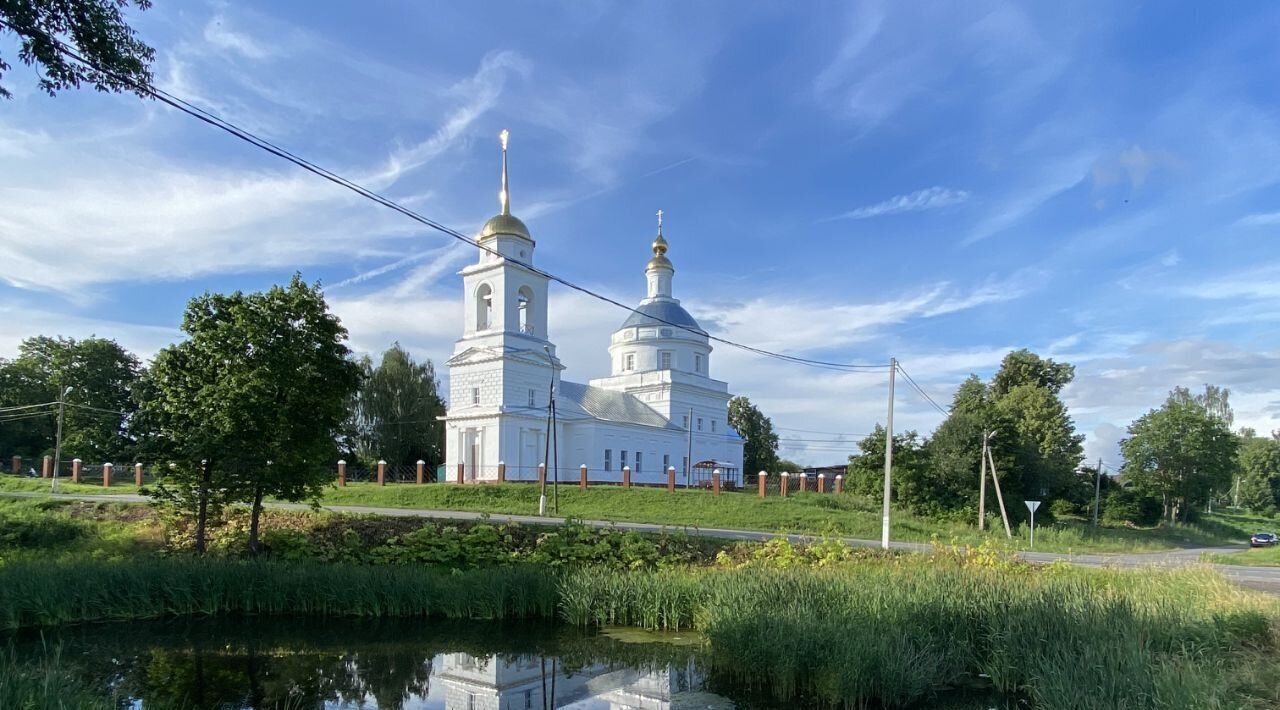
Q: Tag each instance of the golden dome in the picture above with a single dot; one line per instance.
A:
(660, 261)
(505, 224)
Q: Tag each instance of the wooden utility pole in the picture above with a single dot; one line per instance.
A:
(982, 487)
(1004, 515)
(1097, 492)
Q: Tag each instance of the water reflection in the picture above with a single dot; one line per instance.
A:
(302, 663)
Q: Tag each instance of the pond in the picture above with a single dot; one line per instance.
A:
(296, 663)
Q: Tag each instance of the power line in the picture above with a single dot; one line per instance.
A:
(263, 144)
(26, 406)
(20, 417)
(97, 409)
(924, 394)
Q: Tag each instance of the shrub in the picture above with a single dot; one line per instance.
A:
(1125, 506)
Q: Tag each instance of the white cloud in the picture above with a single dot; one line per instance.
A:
(930, 198)
(220, 35)
(1259, 283)
(1260, 219)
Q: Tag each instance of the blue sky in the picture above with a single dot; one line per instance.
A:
(940, 182)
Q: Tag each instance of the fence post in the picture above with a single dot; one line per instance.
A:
(46, 467)
(342, 474)
(785, 478)
(822, 483)
(542, 474)
(715, 482)
(382, 472)
(462, 473)
(137, 475)
(839, 483)
(75, 470)
(582, 476)
(502, 472)
(626, 476)
(106, 475)
(17, 464)
(422, 471)
(671, 479)
(804, 481)
(762, 480)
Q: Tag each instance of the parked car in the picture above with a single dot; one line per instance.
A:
(1263, 540)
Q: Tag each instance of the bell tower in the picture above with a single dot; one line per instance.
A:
(504, 363)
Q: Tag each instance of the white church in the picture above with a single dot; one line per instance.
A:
(658, 408)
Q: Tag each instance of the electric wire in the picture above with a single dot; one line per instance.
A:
(924, 394)
(263, 144)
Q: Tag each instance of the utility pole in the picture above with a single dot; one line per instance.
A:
(1004, 514)
(688, 459)
(555, 456)
(888, 458)
(982, 489)
(1097, 493)
(546, 449)
(57, 438)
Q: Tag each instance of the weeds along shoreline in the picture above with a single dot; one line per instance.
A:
(886, 630)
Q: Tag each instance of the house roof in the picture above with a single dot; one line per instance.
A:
(610, 406)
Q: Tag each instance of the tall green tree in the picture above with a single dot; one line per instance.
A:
(1023, 367)
(250, 404)
(759, 440)
(1259, 471)
(94, 29)
(102, 375)
(396, 409)
(1179, 453)
(1215, 400)
(865, 473)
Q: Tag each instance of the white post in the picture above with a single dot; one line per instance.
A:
(888, 458)
(542, 496)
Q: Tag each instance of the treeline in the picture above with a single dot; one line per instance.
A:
(258, 400)
(1178, 459)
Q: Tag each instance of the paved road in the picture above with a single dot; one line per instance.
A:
(1266, 579)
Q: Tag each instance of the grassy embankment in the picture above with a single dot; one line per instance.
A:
(1257, 557)
(848, 515)
(816, 625)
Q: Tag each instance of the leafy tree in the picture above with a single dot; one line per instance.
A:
(1023, 367)
(1041, 426)
(249, 404)
(102, 375)
(94, 29)
(787, 465)
(394, 416)
(759, 441)
(866, 470)
(1259, 463)
(1179, 454)
(1215, 400)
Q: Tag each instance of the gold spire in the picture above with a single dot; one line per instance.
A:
(504, 197)
(660, 249)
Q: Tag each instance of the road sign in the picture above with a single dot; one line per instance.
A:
(1032, 505)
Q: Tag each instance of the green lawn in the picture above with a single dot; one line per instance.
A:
(120, 484)
(849, 515)
(811, 513)
(1257, 557)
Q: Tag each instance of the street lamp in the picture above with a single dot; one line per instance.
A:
(57, 437)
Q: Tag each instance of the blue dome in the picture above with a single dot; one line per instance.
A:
(662, 313)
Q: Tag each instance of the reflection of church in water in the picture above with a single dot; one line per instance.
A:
(535, 682)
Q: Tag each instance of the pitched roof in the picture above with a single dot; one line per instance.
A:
(610, 406)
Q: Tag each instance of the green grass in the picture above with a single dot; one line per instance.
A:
(119, 485)
(877, 631)
(1256, 557)
(809, 513)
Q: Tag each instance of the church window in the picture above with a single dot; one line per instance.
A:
(639, 458)
(524, 303)
(475, 395)
(666, 461)
(686, 421)
(685, 459)
(699, 423)
(697, 363)
(531, 395)
(664, 358)
(713, 426)
(629, 361)
(666, 332)
(484, 307)
(622, 458)
(608, 459)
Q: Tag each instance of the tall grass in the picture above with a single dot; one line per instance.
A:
(880, 631)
